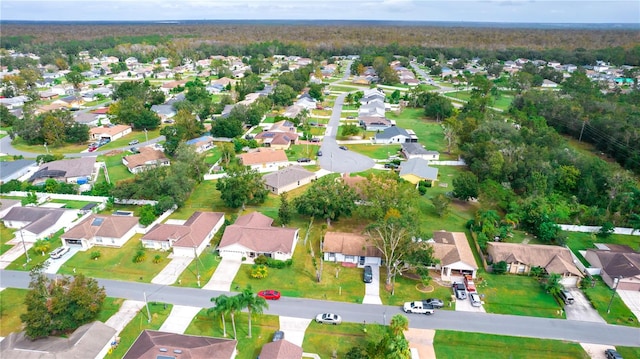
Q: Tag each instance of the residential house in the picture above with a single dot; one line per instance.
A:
(148, 157)
(280, 349)
(253, 235)
(13, 102)
(520, 258)
(549, 84)
(617, 263)
(72, 101)
(287, 179)
(350, 249)
(88, 341)
(307, 102)
(86, 118)
(35, 223)
(101, 92)
(395, 134)
(453, 251)
(111, 132)
(374, 123)
(283, 126)
(109, 231)
(165, 111)
(188, 239)
(75, 170)
(417, 169)
(10, 170)
(264, 158)
(415, 150)
(7, 204)
(372, 95)
(277, 140)
(372, 109)
(293, 111)
(152, 344)
(49, 108)
(48, 95)
(201, 144)
(168, 86)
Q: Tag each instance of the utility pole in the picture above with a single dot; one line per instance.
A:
(582, 130)
(616, 281)
(24, 246)
(195, 253)
(147, 305)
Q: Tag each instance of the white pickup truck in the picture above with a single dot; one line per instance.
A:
(416, 307)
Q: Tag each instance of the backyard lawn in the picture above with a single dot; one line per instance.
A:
(516, 295)
(429, 132)
(69, 204)
(159, 313)
(451, 344)
(579, 241)
(117, 171)
(117, 263)
(600, 295)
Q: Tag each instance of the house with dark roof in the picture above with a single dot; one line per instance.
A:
(264, 158)
(88, 341)
(164, 111)
(6, 205)
(375, 123)
(395, 134)
(152, 344)
(34, 223)
(350, 249)
(617, 263)
(10, 170)
(71, 171)
(416, 170)
(253, 235)
(372, 95)
(108, 231)
(187, 239)
(147, 157)
(280, 349)
(520, 258)
(287, 179)
(277, 140)
(415, 150)
(455, 255)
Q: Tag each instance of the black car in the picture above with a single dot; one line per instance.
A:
(433, 303)
(319, 153)
(367, 276)
(612, 354)
(459, 290)
(304, 159)
(391, 165)
(343, 148)
(278, 335)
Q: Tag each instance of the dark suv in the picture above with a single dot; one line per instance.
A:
(612, 354)
(367, 276)
(459, 290)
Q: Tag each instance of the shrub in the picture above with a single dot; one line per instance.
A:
(140, 256)
(157, 259)
(95, 255)
(41, 246)
(500, 267)
(259, 272)
(278, 264)
(261, 260)
(288, 262)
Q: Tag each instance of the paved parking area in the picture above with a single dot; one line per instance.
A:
(372, 290)
(170, 273)
(581, 308)
(464, 305)
(179, 319)
(632, 300)
(224, 274)
(294, 328)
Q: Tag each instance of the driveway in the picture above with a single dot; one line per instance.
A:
(13, 253)
(422, 341)
(294, 329)
(464, 305)
(581, 308)
(596, 351)
(179, 319)
(170, 273)
(372, 290)
(127, 311)
(53, 265)
(224, 274)
(632, 300)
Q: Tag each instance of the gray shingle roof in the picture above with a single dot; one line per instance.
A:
(391, 132)
(420, 168)
(414, 148)
(287, 176)
(39, 218)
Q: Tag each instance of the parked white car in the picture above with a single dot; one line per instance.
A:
(59, 252)
(475, 299)
(417, 307)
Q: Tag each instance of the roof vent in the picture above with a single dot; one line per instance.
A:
(164, 350)
(177, 351)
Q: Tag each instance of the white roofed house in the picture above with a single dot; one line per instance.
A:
(188, 239)
(201, 144)
(35, 223)
(252, 235)
(112, 132)
(110, 231)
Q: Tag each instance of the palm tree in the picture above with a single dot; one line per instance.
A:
(234, 305)
(221, 308)
(399, 323)
(253, 303)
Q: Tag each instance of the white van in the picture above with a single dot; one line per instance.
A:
(59, 252)
(566, 296)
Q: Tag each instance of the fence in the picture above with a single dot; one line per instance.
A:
(595, 229)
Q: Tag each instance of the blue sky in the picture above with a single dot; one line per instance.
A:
(562, 11)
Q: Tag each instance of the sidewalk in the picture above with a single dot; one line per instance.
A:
(224, 274)
(179, 319)
(422, 340)
(170, 273)
(14, 253)
(127, 311)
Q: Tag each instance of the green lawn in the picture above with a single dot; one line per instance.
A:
(450, 344)
(117, 170)
(378, 152)
(262, 328)
(325, 340)
(69, 204)
(134, 135)
(110, 307)
(269, 120)
(298, 151)
(629, 352)
(503, 102)
(36, 257)
(600, 295)
(159, 313)
(429, 132)
(516, 295)
(11, 307)
(20, 145)
(117, 263)
(6, 234)
(406, 289)
(205, 265)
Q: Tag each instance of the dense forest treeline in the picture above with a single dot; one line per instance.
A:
(578, 46)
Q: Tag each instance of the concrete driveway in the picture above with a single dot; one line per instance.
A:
(596, 351)
(294, 329)
(372, 290)
(53, 265)
(632, 300)
(127, 311)
(170, 273)
(179, 319)
(581, 308)
(422, 341)
(224, 274)
(464, 305)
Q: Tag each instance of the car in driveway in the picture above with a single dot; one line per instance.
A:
(277, 335)
(459, 290)
(269, 294)
(367, 276)
(315, 139)
(468, 282)
(433, 302)
(303, 160)
(344, 148)
(612, 354)
(59, 252)
(328, 318)
(475, 299)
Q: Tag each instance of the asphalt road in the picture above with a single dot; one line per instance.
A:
(559, 329)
